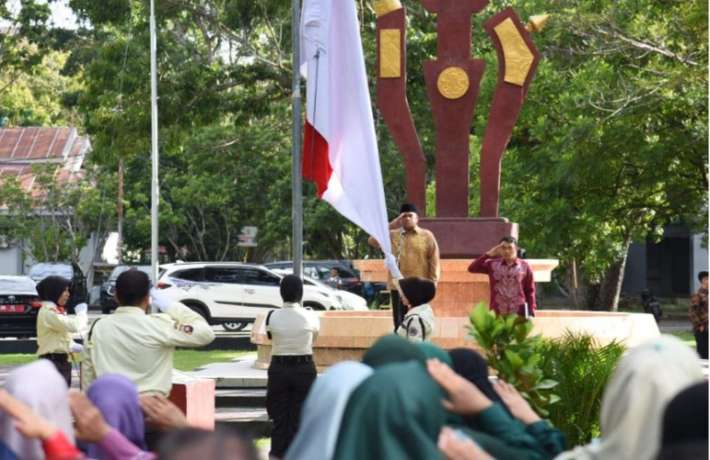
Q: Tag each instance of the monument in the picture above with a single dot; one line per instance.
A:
(452, 81)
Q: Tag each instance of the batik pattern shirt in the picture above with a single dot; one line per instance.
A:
(511, 285)
(699, 310)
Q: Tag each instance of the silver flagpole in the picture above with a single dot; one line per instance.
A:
(154, 196)
(296, 176)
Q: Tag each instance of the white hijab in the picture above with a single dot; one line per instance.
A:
(41, 387)
(645, 380)
(323, 411)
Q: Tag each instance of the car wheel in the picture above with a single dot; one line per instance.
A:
(232, 326)
(314, 306)
(198, 308)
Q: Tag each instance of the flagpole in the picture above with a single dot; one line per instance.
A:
(296, 175)
(154, 196)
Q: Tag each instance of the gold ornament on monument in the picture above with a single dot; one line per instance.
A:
(452, 82)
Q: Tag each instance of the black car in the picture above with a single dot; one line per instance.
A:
(108, 289)
(70, 271)
(19, 305)
(349, 277)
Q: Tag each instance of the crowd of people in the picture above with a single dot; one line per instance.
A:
(406, 399)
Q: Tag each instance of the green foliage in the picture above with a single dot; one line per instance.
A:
(56, 221)
(515, 355)
(582, 367)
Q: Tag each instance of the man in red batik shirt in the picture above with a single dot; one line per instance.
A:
(510, 278)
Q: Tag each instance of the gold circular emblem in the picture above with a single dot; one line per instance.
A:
(452, 82)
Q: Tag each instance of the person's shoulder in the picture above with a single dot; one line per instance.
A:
(426, 233)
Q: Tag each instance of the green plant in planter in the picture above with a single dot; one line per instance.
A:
(515, 355)
(582, 367)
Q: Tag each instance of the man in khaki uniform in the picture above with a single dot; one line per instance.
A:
(416, 251)
(140, 346)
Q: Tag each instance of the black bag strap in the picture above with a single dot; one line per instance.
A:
(91, 330)
(268, 317)
(408, 321)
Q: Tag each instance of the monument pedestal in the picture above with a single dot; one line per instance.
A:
(458, 290)
(466, 237)
(346, 335)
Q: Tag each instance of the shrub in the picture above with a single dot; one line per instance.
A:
(514, 354)
(582, 367)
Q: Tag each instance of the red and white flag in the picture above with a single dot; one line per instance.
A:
(339, 147)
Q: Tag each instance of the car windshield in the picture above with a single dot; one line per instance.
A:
(17, 285)
(40, 271)
(122, 268)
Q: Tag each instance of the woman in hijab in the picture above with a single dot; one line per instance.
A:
(646, 378)
(685, 425)
(396, 413)
(323, 411)
(54, 327)
(39, 386)
(117, 399)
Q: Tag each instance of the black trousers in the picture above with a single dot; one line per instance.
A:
(286, 390)
(61, 362)
(398, 309)
(701, 343)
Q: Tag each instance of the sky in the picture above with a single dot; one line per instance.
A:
(62, 15)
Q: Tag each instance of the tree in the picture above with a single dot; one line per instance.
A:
(53, 221)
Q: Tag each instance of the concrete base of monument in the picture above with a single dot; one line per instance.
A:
(346, 335)
(457, 290)
(468, 236)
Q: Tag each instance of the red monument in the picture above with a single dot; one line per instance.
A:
(452, 81)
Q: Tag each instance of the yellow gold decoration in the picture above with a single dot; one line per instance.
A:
(390, 53)
(517, 55)
(452, 82)
(537, 23)
(383, 7)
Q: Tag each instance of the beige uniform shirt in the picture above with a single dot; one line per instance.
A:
(293, 329)
(140, 346)
(417, 254)
(55, 329)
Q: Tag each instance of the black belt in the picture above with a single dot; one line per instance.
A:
(55, 356)
(292, 359)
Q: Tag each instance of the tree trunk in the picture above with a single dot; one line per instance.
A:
(611, 286)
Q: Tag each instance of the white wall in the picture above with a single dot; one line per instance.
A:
(700, 260)
(10, 261)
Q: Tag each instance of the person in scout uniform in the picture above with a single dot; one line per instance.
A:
(55, 327)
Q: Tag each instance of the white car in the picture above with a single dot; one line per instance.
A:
(348, 300)
(233, 294)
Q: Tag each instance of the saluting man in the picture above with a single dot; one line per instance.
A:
(55, 327)
(416, 251)
(139, 345)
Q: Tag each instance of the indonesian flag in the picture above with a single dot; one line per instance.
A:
(339, 146)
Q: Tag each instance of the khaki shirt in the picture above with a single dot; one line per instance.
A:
(140, 346)
(417, 254)
(55, 329)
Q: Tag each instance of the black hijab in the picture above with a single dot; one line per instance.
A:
(52, 287)
(471, 366)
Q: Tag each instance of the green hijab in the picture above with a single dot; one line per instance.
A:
(392, 348)
(396, 413)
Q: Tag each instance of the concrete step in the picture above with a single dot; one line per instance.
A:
(240, 397)
(251, 420)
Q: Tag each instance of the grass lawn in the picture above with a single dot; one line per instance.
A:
(685, 336)
(187, 360)
(184, 360)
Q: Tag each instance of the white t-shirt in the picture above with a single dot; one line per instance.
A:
(293, 329)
